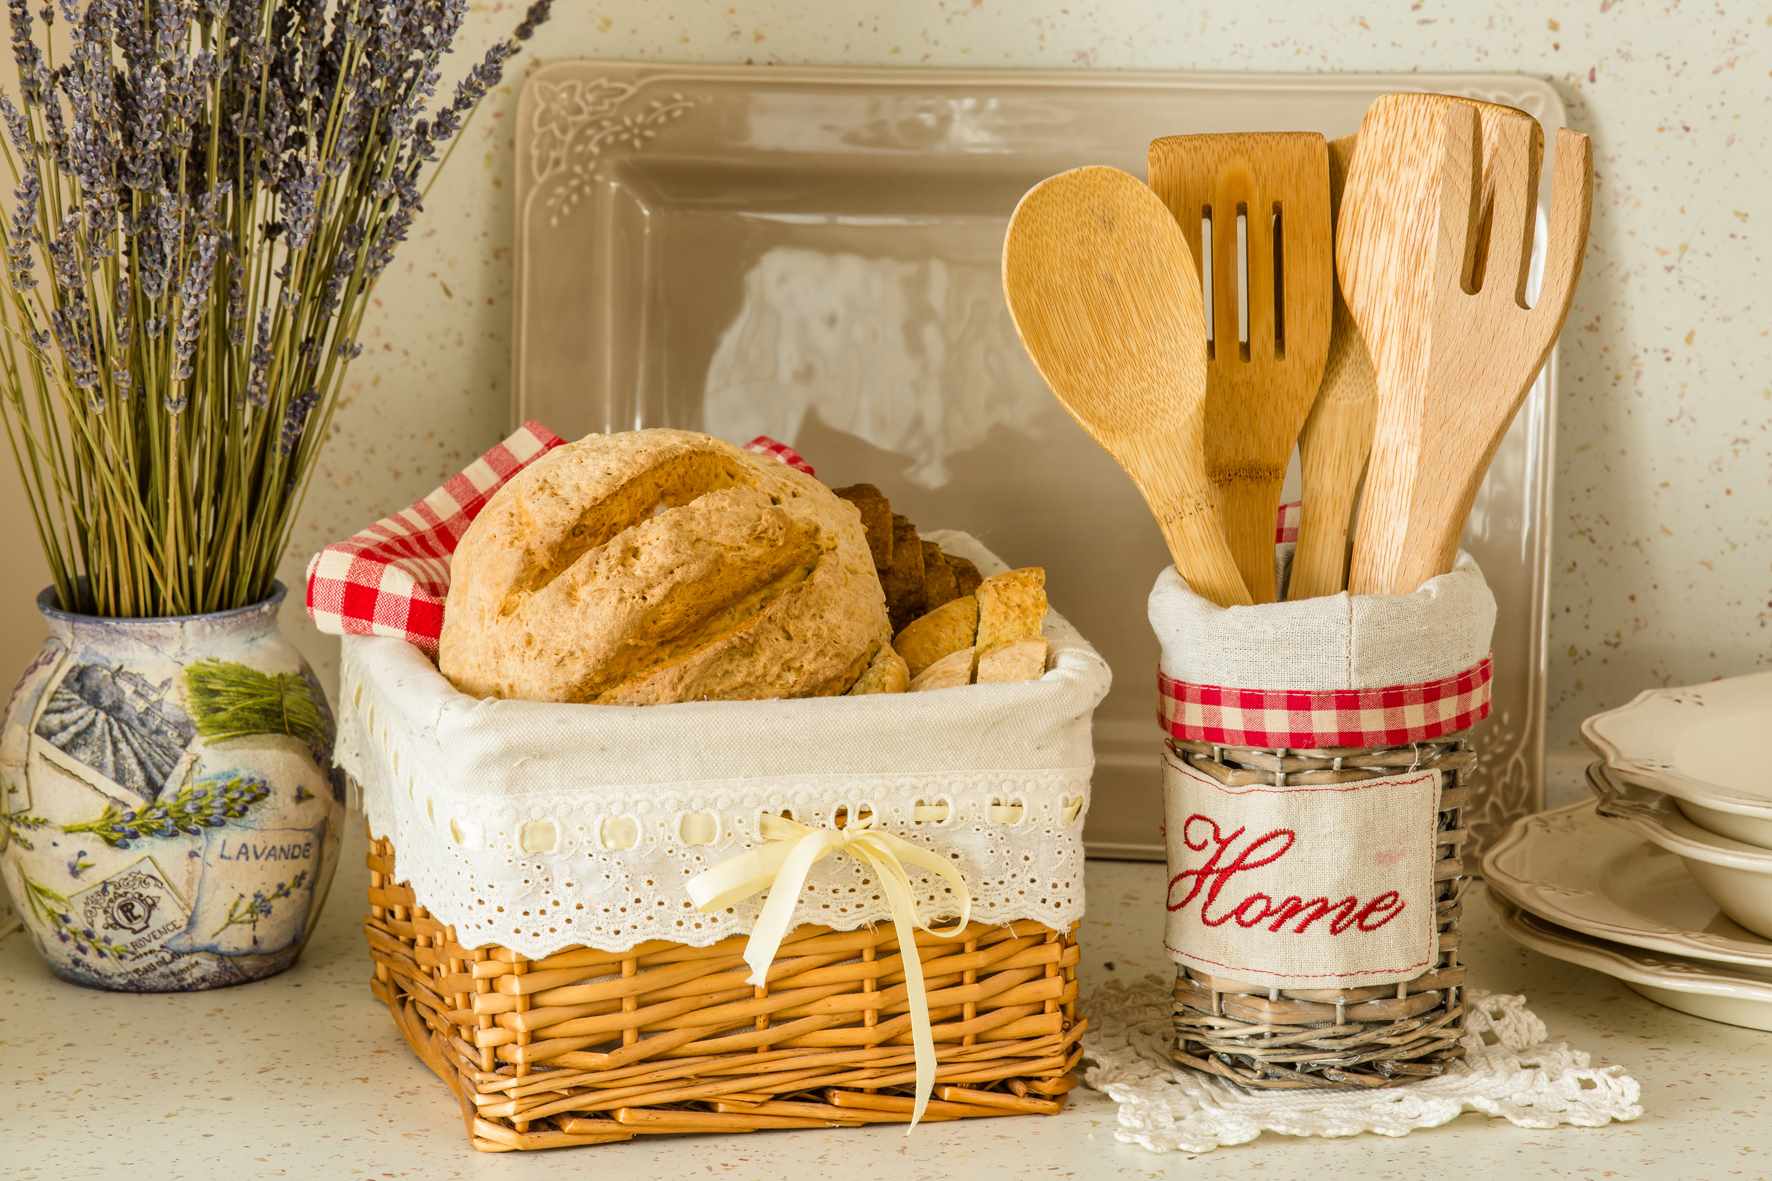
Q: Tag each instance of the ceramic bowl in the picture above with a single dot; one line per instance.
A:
(1706, 746)
(1737, 875)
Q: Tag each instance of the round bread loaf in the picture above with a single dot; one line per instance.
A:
(657, 566)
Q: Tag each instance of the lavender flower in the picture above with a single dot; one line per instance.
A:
(296, 194)
(537, 15)
(193, 300)
(24, 50)
(236, 307)
(351, 241)
(73, 335)
(210, 802)
(17, 129)
(295, 420)
(22, 233)
(259, 376)
(123, 317)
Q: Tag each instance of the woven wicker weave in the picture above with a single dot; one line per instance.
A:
(1281, 1038)
(590, 1047)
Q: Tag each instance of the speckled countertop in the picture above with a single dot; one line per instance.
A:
(304, 1076)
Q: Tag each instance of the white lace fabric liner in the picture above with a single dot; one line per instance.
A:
(541, 826)
(1510, 1070)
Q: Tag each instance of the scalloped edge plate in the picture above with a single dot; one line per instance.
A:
(1715, 992)
(1645, 742)
(1621, 888)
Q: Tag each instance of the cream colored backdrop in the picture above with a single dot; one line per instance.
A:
(1663, 547)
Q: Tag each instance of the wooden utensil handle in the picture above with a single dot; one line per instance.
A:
(1197, 545)
(1319, 565)
(1250, 508)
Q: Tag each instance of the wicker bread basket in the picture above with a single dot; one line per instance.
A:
(551, 947)
(1376, 1036)
(591, 1047)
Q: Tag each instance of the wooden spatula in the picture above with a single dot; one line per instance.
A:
(1259, 387)
(1337, 436)
(1089, 268)
(1432, 248)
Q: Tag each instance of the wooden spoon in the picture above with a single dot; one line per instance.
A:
(1337, 436)
(1432, 248)
(1258, 391)
(1089, 268)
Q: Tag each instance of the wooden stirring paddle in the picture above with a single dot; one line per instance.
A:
(1089, 267)
(1337, 436)
(1260, 384)
(1432, 248)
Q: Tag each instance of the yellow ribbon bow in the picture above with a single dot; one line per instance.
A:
(780, 866)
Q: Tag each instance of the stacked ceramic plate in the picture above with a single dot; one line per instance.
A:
(1664, 879)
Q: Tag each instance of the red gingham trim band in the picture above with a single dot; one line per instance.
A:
(391, 578)
(1309, 719)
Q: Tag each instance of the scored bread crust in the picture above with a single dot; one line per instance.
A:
(656, 566)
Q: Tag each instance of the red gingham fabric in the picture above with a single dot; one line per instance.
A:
(1286, 528)
(391, 578)
(764, 445)
(1304, 719)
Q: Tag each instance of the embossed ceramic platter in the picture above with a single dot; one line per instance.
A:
(1620, 888)
(1716, 992)
(814, 254)
(1708, 746)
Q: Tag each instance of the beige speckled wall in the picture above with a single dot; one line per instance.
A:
(1663, 547)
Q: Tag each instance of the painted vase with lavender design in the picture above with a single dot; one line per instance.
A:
(169, 818)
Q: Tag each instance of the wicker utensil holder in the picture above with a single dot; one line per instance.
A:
(592, 1047)
(1355, 1038)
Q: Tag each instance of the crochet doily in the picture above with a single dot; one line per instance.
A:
(1510, 1070)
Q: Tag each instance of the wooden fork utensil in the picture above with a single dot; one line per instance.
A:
(1433, 243)
(1272, 191)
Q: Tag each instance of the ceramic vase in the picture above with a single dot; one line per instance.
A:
(169, 818)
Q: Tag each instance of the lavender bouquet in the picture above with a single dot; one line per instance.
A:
(205, 194)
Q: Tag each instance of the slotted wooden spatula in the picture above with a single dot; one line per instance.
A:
(1089, 266)
(1432, 248)
(1337, 436)
(1260, 383)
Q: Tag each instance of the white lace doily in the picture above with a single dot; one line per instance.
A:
(1509, 1070)
(542, 826)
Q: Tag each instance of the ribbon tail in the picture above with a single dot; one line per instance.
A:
(909, 854)
(895, 884)
(778, 907)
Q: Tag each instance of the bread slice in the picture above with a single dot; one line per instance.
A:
(903, 579)
(1018, 660)
(886, 674)
(939, 584)
(1011, 606)
(947, 629)
(876, 518)
(950, 672)
(966, 575)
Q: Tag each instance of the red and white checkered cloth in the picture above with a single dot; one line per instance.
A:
(1286, 528)
(1313, 719)
(391, 578)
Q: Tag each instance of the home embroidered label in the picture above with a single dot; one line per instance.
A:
(1309, 885)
